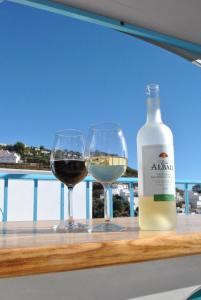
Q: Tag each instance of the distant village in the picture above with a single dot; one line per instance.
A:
(20, 155)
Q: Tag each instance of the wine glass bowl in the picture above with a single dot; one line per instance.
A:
(106, 168)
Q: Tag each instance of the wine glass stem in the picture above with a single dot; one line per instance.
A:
(106, 203)
(70, 205)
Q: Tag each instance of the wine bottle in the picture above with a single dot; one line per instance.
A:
(156, 172)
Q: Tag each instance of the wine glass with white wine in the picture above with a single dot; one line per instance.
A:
(106, 154)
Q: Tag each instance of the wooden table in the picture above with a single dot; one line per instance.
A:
(26, 252)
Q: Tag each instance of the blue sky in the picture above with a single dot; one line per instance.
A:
(56, 72)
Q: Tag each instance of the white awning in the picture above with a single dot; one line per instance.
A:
(171, 24)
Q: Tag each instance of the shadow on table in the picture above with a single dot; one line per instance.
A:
(24, 231)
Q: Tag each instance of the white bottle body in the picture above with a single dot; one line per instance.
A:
(156, 188)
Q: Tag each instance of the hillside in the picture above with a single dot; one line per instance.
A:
(38, 158)
(130, 172)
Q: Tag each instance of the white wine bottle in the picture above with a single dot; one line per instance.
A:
(156, 173)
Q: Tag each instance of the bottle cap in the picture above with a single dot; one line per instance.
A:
(153, 90)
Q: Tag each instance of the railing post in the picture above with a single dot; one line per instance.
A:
(186, 198)
(87, 200)
(62, 202)
(111, 201)
(35, 206)
(5, 203)
(132, 210)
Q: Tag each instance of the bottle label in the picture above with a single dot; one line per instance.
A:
(158, 172)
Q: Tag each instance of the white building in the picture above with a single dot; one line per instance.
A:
(45, 151)
(122, 189)
(194, 200)
(179, 197)
(9, 157)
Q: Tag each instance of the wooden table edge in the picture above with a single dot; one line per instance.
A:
(68, 257)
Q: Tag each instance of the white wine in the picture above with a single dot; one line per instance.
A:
(106, 169)
(156, 174)
(156, 215)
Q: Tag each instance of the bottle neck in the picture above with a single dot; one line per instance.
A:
(153, 110)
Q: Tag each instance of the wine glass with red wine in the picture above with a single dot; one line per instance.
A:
(68, 165)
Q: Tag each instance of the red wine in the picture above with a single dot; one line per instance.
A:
(70, 171)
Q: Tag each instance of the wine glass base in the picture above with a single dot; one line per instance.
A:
(107, 227)
(64, 227)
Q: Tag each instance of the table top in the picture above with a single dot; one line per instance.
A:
(27, 248)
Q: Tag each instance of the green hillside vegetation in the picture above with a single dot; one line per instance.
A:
(121, 207)
(130, 172)
(32, 157)
(39, 158)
